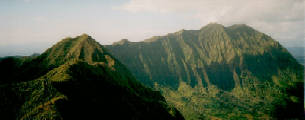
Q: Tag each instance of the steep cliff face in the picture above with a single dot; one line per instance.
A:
(215, 55)
(76, 79)
(226, 59)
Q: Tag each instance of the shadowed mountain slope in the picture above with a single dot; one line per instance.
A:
(76, 79)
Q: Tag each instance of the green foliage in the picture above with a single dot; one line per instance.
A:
(254, 100)
(201, 57)
(76, 79)
(218, 72)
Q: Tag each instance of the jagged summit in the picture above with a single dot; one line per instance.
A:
(209, 29)
(82, 47)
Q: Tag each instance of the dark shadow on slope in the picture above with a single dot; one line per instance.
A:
(93, 93)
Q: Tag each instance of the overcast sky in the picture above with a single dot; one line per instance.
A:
(28, 26)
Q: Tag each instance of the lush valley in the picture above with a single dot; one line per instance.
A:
(218, 72)
(76, 79)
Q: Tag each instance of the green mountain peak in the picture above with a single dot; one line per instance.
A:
(76, 79)
(82, 47)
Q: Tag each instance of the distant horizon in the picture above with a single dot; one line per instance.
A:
(37, 52)
(32, 26)
(44, 49)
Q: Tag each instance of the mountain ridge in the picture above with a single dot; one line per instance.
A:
(221, 62)
(76, 79)
(223, 49)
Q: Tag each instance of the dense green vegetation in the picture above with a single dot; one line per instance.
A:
(216, 72)
(76, 79)
(253, 101)
(219, 72)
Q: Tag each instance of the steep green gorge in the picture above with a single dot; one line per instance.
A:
(218, 72)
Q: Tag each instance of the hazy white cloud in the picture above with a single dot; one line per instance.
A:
(282, 19)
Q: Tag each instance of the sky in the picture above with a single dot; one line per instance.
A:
(32, 26)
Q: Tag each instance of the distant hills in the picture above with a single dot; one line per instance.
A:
(218, 72)
(298, 53)
(76, 79)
